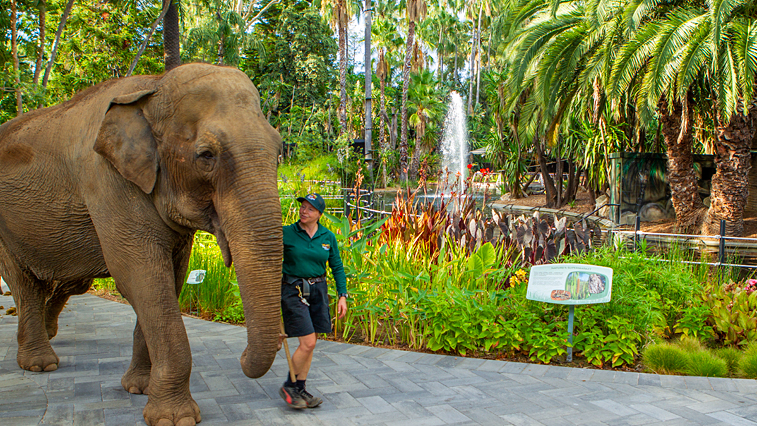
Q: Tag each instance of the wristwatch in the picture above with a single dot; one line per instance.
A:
(344, 295)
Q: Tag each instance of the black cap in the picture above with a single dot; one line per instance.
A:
(315, 200)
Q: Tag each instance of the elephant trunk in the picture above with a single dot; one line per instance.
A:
(254, 239)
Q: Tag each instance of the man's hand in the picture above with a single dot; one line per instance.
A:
(341, 307)
(281, 341)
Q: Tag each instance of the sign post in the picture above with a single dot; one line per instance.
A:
(195, 277)
(570, 284)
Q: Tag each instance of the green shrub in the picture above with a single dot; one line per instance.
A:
(704, 363)
(665, 358)
(731, 356)
(748, 365)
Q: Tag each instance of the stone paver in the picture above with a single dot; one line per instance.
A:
(359, 385)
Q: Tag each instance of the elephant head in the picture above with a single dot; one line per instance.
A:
(195, 141)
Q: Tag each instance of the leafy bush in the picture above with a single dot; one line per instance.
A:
(734, 312)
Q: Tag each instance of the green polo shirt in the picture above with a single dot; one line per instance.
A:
(306, 257)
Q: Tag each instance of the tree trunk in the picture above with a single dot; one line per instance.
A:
(405, 87)
(675, 127)
(558, 175)
(58, 33)
(549, 184)
(472, 72)
(416, 158)
(382, 129)
(730, 185)
(439, 73)
(41, 48)
(342, 77)
(14, 53)
(457, 79)
(171, 36)
(478, 53)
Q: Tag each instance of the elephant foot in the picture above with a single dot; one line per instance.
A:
(38, 360)
(158, 413)
(136, 381)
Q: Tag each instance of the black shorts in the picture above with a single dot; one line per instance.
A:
(301, 319)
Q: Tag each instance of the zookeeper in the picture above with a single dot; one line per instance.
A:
(308, 245)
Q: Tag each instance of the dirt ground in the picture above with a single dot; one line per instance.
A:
(583, 205)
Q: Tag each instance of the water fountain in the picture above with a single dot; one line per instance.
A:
(455, 140)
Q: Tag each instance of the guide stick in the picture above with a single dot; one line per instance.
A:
(289, 357)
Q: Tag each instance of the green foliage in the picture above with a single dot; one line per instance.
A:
(731, 356)
(693, 322)
(106, 284)
(706, 364)
(295, 60)
(215, 293)
(665, 358)
(734, 312)
(748, 362)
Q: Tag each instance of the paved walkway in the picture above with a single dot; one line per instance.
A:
(359, 385)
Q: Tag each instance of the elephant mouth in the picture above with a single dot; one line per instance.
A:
(223, 243)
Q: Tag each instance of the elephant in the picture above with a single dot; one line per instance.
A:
(114, 183)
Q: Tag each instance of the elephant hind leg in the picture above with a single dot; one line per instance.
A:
(57, 301)
(29, 294)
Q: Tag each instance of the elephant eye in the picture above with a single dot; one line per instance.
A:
(207, 155)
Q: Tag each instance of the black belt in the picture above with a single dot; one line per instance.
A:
(303, 283)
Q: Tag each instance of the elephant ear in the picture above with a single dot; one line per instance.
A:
(126, 140)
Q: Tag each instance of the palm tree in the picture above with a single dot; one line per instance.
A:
(710, 52)
(416, 10)
(339, 13)
(557, 69)
(425, 102)
(171, 36)
(385, 36)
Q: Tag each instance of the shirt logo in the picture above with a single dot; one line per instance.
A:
(326, 246)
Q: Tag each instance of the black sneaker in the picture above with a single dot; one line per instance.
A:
(292, 397)
(310, 400)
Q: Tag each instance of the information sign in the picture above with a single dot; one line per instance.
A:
(196, 276)
(570, 284)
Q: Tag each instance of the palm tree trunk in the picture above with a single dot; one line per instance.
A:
(342, 78)
(416, 159)
(439, 74)
(382, 129)
(478, 53)
(58, 33)
(41, 48)
(730, 184)
(472, 72)
(549, 184)
(14, 53)
(405, 87)
(171, 35)
(675, 127)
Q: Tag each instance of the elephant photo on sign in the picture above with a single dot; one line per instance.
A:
(114, 183)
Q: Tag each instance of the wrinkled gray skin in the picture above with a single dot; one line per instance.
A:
(115, 182)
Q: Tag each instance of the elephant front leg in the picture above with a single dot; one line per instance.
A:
(166, 351)
(34, 350)
(137, 378)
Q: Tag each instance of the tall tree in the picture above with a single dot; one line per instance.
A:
(171, 35)
(693, 47)
(14, 53)
(339, 13)
(56, 43)
(416, 10)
